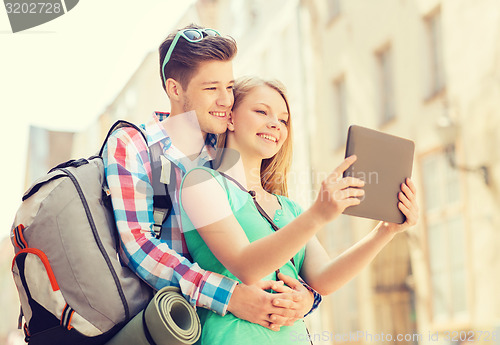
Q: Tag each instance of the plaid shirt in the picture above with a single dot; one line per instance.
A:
(165, 261)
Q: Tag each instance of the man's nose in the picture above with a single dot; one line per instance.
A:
(225, 98)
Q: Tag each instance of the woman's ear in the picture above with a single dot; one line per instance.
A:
(230, 123)
(173, 89)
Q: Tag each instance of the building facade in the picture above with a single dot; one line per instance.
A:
(426, 70)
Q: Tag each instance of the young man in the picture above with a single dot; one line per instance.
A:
(197, 75)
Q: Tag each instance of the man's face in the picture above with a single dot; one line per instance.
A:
(210, 95)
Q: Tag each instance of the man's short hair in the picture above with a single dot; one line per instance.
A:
(187, 56)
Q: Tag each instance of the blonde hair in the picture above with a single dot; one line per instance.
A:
(274, 170)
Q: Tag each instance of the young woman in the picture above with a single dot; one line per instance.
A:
(226, 233)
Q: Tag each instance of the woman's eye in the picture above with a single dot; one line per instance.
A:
(230, 87)
(263, 112)
(210, 88)
(285, 122)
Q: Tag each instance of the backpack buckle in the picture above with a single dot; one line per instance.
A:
(159, 215)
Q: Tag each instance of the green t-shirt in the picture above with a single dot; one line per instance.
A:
(230, 329)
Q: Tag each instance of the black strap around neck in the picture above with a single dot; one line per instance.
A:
(265, 215)
(259, 208)
(253, 195)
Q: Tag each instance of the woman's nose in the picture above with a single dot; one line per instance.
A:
(273, 122)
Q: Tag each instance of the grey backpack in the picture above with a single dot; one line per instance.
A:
(72, 286)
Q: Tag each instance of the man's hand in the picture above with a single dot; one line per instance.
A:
(271, 310)
(304, 304)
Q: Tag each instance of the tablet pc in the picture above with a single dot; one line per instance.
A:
(384, 162)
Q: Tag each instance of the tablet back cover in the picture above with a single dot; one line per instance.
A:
(384, 161)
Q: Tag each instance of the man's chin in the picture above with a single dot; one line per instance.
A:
(217, 129)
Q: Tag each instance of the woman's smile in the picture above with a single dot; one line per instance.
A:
(268, 137)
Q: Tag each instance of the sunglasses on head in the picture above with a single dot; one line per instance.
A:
(190, 35)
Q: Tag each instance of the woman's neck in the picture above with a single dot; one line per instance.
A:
(244, 169)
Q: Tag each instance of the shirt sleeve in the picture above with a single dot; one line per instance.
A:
(128, 174)
(297, 209)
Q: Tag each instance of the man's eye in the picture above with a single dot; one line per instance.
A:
(230, 87)
(210, 88)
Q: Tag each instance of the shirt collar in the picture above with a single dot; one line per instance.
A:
(155, 132)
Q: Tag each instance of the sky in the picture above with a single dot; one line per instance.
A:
(62, 74)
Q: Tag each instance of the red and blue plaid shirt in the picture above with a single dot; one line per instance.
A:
(165, 261)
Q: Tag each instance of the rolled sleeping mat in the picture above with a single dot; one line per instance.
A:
(167, 320)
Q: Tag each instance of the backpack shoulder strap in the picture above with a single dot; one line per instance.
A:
(163, 178)
(120, 124)
(162, 204)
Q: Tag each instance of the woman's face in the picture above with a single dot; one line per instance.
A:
(258, 124)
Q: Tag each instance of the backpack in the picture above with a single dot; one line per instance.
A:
(72, 286)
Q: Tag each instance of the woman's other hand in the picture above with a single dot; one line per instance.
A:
(408, 205)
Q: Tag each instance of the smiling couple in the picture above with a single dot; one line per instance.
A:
(233, 235)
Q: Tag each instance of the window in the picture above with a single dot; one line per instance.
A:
(385, 87)
(333, 8)
(435, 71)
(446, 238)
(341, 121)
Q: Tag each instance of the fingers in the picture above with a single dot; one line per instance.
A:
(411, 218)
(279, 320)
(409, 190)
(348, 187)
(268, 325)
(279, 315)
(350, 181)
(349, 193)
(289, 281)
(270, 310)
(408, 202)
(410, 184)
(404, 200)
(280, 287)
(277, 286)
(344, 198)
(339, 171)
(408, 195)
(287, 300)
(285, 308)
(351, 202)
(267, 284)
